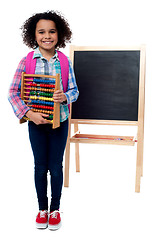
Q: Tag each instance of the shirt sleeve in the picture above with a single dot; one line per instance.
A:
(72, 92)
(14, 95)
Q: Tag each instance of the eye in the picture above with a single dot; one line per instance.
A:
(53, 31)
(40, 32)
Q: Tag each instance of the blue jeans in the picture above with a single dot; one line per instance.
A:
(48, 147)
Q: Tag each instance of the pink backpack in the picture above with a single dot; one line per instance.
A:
(31, 65)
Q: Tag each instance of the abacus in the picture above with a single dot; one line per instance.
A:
(37, 92)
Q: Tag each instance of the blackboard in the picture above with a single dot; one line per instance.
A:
(108, 83)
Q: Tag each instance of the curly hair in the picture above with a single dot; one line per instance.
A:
(63, 28)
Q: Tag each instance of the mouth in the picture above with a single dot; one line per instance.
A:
(47, 42)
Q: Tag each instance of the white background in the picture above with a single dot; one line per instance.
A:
(100, 201)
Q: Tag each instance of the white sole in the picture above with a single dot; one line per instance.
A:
(54, 227)
(41, 225)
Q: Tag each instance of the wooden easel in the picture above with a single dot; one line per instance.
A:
(25, 92)
(103, 139)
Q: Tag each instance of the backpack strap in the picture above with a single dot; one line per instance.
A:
(64, 69)
(64, 63)
(30, 63)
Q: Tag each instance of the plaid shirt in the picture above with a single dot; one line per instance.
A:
(42, 67)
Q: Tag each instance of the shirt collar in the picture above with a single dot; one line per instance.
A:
(38, 54)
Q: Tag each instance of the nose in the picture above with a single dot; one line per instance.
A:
(47, 35)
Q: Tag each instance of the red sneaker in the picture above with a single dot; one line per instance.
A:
(54, 220)
(42, 219)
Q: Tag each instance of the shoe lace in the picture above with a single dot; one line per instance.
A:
(54, 214)
(43, 213)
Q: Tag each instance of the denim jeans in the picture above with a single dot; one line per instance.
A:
(48, 147)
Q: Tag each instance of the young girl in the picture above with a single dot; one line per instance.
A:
(45, 33)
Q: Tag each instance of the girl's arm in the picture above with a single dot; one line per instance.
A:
(14, 95)
(19, 107)
(72, 92)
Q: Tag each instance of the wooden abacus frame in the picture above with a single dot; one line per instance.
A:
(27, 78)
(103, 139)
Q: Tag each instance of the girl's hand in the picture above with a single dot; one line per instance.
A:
(59, 96)
(36, 117)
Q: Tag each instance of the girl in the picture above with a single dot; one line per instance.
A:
(45, 33)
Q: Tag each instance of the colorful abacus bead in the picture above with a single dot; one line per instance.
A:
(47, 85)
(42, 89)
(42, 85)
(46, 94)
(42, 107)
(44, 81)
(42, 98)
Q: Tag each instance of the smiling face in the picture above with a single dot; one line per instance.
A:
(46, 35)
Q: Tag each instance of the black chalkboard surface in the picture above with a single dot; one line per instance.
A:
(108, 83)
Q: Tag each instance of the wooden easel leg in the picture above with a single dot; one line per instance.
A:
(140, 134)
(142, 167)
(139, 165)
(67, 156)
(67, 161)
(138, 179)
(77, 150)
(77, 157)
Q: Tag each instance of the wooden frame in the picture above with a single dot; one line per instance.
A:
(28, 78)
(101, 139)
